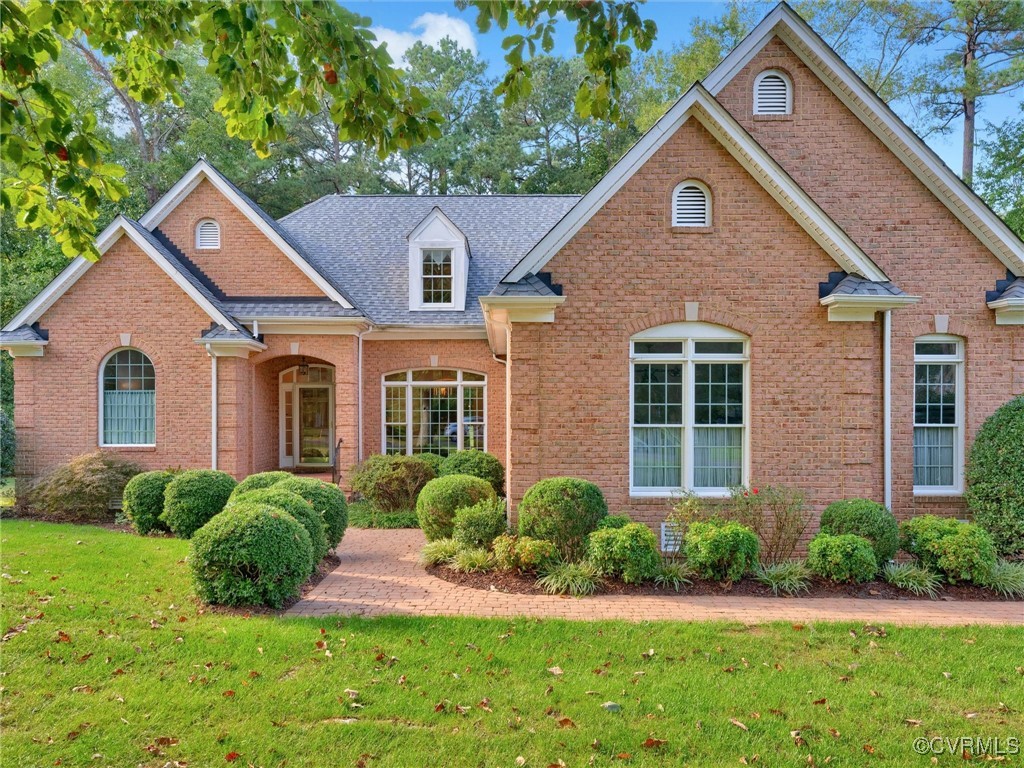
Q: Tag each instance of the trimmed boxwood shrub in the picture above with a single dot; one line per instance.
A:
(630, 552)
(392, 483)
(327, 499)
(564, 511)
(995, 478)
(614, 521)
(479, 525)
(297, 507)
(193, 497)
(968, 554)
(144, 500)
(259, 481)
(845, 557)
(480, 464)
(250, 554)
(720, 550)
(863, 517)
(435, 460)
(80, 491)
(920, 535)
(443, 496)
(521, 553)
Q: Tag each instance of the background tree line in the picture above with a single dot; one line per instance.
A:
(935, 62)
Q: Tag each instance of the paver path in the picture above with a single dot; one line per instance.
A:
(379, 575)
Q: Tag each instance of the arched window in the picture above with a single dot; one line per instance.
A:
(691, 205)
(689, 396)
(938, 414)
(207, 234)
(434, 411)
(773, 93)
(127, 399)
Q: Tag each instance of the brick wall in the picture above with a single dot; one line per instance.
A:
(247, 263)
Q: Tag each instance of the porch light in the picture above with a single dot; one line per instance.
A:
(303, 368)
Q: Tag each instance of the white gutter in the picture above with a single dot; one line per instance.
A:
(887, 406)
(213, 409)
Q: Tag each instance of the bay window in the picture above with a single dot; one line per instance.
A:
(688, 409)
(434, 411)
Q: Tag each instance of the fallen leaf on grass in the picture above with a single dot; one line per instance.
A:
(232, 756)
(566, 722)
(228, 694)
(738, 724)
(912, 723)
(82, 689)
(556, 671)
(63, 637)
(653, 743)
(820, 701)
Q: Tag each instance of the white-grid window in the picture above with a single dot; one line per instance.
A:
(938, 414)
(437, 276)
(207, 234)
(691, 205)
(434, 411)
(688, 410)
(127, 399)
(773, 93)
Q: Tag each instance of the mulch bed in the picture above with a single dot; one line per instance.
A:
(514, 583)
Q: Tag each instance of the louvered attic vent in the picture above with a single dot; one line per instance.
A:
(208, 234)
(772, 94)
(691, 206)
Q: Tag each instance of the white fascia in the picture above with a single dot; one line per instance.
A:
(231, 347)
(437, 231)
(203, 170)
(24, 348)
(1008, 311)
(851, 309)
(501, 311)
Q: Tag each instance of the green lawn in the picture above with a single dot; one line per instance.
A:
(118, 666)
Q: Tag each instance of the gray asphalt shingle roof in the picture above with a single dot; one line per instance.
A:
(360, 242)
(21, 333)
(1014, 290)
(258, 306)
(855, 285)
(531, 285)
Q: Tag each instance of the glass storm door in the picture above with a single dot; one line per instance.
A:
(314, 425)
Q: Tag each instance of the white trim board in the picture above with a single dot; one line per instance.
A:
(783, 22)
(80, 265)
(203, 170)
(700, 105)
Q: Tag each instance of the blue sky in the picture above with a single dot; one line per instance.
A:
(403, 23)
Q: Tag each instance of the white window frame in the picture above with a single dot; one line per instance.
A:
(199, 226)
(408, 384)
(688, 333)
(957, 359)
(438, 232)
(789, 91)
(99, 404)
(452, 262)
(700, 185)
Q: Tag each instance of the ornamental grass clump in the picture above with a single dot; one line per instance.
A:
(789, 577)
(578, 579)
(1006, 578)
(842, 558)
(143, 500)
(193, 497)
(477, 560)
(439, 552)
(564, 511)
(250, 554)
(866, 518)
(913, 578)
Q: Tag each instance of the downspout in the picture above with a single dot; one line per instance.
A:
(887, 406)
(213, 408)
(359, 394)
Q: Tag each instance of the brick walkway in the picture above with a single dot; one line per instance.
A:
(379, 576)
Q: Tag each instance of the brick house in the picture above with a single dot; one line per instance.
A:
(779, 283)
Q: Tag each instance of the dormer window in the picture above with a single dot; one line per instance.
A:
(691, 205)
(773, 93)
(207, 235)
(437, 277)
(438, 265)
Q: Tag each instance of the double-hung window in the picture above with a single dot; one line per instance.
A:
(437, 277)
(938, 415)
(688, 407)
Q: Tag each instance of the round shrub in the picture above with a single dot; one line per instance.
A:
(486, 466)
(193, 497)
(250, 554)
(614, 521)
(866, 518)
(392, 483)
(968, 554)
(435, 460)
(630, 552)
(845, 558)
(144, 500)
(327, 499)
(920, 535)
(259, 481)
(297, 507)
(564, 511)
(443, 496)
(479, 525)
(521, 553)
(720, 550)
(995, 478)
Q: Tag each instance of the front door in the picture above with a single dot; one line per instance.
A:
(306, 397)
(315, 438)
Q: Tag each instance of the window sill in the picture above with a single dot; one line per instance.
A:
(938, 493)
(134, 448)
(691, 230)
(676, 493)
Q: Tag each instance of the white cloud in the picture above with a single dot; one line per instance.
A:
(430, 29)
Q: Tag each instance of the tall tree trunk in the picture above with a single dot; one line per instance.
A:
(970, 101)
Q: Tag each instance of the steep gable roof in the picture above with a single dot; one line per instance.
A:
(786, 24)
(273, 231)
(700, 105)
